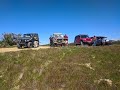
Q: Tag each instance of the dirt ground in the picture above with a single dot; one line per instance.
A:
(2, 50)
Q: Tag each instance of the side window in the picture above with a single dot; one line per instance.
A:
(80, 36)
(77, 37)
(36, 35)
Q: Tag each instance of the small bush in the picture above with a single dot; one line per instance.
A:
(9, 39)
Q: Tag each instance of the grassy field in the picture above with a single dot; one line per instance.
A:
(70, 68)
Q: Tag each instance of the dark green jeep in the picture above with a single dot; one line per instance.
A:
(28, 40)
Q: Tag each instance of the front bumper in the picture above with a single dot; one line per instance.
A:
(88, 42)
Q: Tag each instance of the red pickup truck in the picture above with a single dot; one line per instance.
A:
(83, 39)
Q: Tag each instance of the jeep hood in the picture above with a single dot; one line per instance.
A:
(87, 39)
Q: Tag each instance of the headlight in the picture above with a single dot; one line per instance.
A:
(19, 40)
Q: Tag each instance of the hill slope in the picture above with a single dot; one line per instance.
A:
(72, 68)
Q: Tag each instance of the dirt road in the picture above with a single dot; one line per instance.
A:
(2, 50)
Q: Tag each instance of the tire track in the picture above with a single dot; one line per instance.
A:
(3, 50)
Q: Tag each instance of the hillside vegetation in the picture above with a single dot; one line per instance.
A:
(70, 68)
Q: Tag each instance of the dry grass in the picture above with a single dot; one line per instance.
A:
(70, 68)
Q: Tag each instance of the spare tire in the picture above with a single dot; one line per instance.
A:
(35, 44)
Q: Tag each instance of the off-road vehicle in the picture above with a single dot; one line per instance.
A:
(28, 40)
(83, 39)
(58, 39)
(101, 40)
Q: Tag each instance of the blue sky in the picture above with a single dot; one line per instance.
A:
(71, 17)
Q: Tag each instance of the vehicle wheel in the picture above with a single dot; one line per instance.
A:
(51, 45)
(90, 44)
(35, 44)
(55, 45)
(29, 45)
(64, 44)
(81, 43)
(19, 46)
(76, 44)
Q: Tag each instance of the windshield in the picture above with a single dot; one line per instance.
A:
(26, 35)
(84, 36)
(58, 35)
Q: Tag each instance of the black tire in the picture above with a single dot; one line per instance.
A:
(64, 44)
(19, 46)
(76, 44)
(51, 45)
(55, 45)
(90, 44)
(38, 44)
(29, 45)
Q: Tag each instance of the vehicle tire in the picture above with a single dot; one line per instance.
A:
(76, 44)
(81, 43)
(19, 46)
(35, 44)
(55, 45)
(90, 44)
(51, 45)
(29, 45)
(63, 44)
